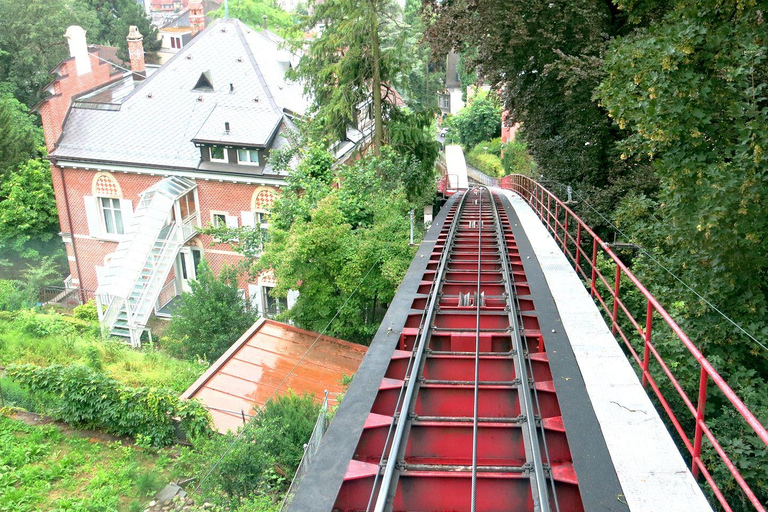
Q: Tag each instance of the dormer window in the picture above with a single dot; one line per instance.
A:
(218, 154)
(248, 156)
(204, 82)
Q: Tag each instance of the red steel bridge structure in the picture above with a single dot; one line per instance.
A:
(477, 395)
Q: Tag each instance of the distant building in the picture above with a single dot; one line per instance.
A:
(178, 29)
(450, 99)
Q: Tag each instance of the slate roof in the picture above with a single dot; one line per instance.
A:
(248, 126)
(156, 123)
(272, 358)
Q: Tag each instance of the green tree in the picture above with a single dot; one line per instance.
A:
(354, 238)
(350, 63)
(480, 120)
(19, 132)
(251, 12)
(412, 135)
(517, 160)
(114, 18)
(691, 91)
(546, 58)
(211, 317)
(424, 77)
(689, 87)
(32, 42)
(28, 217)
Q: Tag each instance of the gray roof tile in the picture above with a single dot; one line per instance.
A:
(157, 122)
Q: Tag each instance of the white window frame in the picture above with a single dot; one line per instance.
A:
(230, 221)
(111, 210)
(250, 153)
(218, 160)
(97, 225)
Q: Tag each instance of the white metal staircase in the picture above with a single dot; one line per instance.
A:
(140, 266)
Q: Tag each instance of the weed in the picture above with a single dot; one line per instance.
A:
(148, 483)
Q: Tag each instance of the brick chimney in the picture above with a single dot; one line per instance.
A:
(136, 51)
(79, 73)
(196, 17)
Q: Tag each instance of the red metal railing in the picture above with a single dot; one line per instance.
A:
(573, 235)
(444, 185)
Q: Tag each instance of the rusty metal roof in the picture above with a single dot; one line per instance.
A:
(269, 356)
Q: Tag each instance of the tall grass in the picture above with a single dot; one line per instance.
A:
(51, 338)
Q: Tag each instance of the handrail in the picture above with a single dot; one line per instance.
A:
(169, 238)
(560, 220)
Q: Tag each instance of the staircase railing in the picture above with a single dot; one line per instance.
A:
(573, 235)
(156, 279)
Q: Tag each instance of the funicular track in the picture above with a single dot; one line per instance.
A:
(467, 417)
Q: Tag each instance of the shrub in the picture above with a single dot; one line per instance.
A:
(517, 160)
(210, 318)
(492, 147)
(265, 456)
(86, 311)
(13, 296)
(45, 325)
(486, 163)
(90, 399)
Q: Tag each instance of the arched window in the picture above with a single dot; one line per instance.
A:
(263, 199)
(107, 212)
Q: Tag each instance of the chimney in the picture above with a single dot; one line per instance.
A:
(136, 51)
(78, 48)
(196, 17)
(264, 21)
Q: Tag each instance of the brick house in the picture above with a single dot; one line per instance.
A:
(140, 159)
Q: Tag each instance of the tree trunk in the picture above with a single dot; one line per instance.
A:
(378, 127)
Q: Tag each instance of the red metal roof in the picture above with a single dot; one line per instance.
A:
(269, 356)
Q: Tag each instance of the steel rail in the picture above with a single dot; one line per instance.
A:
(524, 341)
(408, 371)
(473, 506)
(530, 435)
(389, 468)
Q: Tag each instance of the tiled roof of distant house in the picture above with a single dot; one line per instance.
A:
(271, 358)
(156, 123)
(109, 53)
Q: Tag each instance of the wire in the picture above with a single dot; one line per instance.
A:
(245, 428)
(653, 258)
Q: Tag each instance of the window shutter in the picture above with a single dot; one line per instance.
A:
(248, 219)
(293, 295)
(232, 221)
(92, 212)
(255, 296)
(100, 273)
(126, 207)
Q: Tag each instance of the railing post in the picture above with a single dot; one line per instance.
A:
(594, 267)
(565, 233)
(557, 219)
(578, 245)
(647, 337)
(616, 298)
(549, 212)
(699, 420)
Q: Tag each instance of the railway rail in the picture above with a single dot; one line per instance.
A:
(469, 400)
(493, 384)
